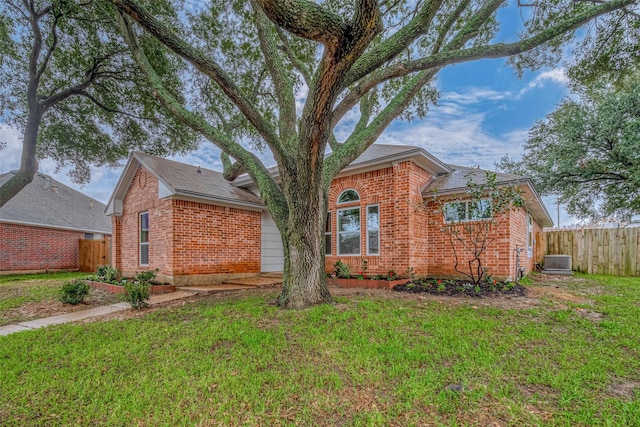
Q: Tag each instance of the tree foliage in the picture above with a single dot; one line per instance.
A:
(285, 73)
(588, 152)
(71, 87)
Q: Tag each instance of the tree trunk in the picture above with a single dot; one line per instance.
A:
(28, 162)
(304, 281)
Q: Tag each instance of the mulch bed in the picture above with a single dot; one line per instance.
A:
(462, 287)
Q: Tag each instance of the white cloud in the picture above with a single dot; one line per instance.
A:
(474, 95)
(556, 75)
(458, 140)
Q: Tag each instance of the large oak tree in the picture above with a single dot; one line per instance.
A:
(71, 87)
(283, 74)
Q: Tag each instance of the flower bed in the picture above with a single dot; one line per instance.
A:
(365, 283)
(119, 289)
(462, 287)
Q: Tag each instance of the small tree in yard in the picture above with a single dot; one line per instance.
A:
(473, 218)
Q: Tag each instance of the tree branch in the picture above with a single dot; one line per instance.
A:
(109, 109)
(305, 19)
(54, 43)
(270, 191)
(361, 140)
(400, 69)
(398, 42)
(283, 85)
(499, 50)
(297, 63)
(202, 63)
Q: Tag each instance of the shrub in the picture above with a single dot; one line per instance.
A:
(73, 292)
(342, 270)
(108, 274)
(146, 277)
(136, 293)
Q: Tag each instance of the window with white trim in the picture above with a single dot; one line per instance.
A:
(349, 231)
(144, 238)
(529, 236)
(348, 196)
(467, 211)
(373, 230)
(327, 235)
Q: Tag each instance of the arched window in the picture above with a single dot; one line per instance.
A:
(348, 196)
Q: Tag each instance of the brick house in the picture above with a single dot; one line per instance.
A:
(40, 227)
(195, 227)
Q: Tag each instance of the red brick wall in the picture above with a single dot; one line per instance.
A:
(396, 190)
(518, 237)
(184, 237)
(36, 248)
(212, 239)
(500, 256)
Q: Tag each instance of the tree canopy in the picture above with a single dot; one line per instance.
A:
(71, 87)
(283, 74)
(588, 152)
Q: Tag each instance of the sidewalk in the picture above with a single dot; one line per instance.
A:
(86, 314)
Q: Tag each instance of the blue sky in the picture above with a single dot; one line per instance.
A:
(484, 112)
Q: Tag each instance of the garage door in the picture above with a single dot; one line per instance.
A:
(272, 255)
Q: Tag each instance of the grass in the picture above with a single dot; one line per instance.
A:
(18, 290)
(365, 361)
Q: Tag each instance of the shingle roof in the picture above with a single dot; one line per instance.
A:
(183, 180)
(378, 154)
(457, 179)
(39, 204)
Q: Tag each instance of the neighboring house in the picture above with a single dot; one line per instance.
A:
(40, 228)
(195, 227)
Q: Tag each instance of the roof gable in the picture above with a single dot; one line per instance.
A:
(183, 181)
(46, 202)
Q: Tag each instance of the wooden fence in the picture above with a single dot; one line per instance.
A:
(613, 251)
(94, 253)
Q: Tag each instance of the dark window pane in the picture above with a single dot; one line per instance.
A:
(144, 254)
(373, 242)
(349, 220)
(348, 196)
(454, 212)
(349, 243)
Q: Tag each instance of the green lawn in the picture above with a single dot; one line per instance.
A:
(19, 290)
(16, 290)
(369, 360)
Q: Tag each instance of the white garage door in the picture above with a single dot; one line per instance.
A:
(272, 254)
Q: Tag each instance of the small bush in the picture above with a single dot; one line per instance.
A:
(342, 270)
(146, 277)
(74, 292)
(136, 293)
(108, 274)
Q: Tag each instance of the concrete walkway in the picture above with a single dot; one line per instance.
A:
(86, 314)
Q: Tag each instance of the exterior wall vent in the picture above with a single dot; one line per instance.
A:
(557, 264)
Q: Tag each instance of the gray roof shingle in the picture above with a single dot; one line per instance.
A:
(185, 179)
(457, 179)
(66, 208)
